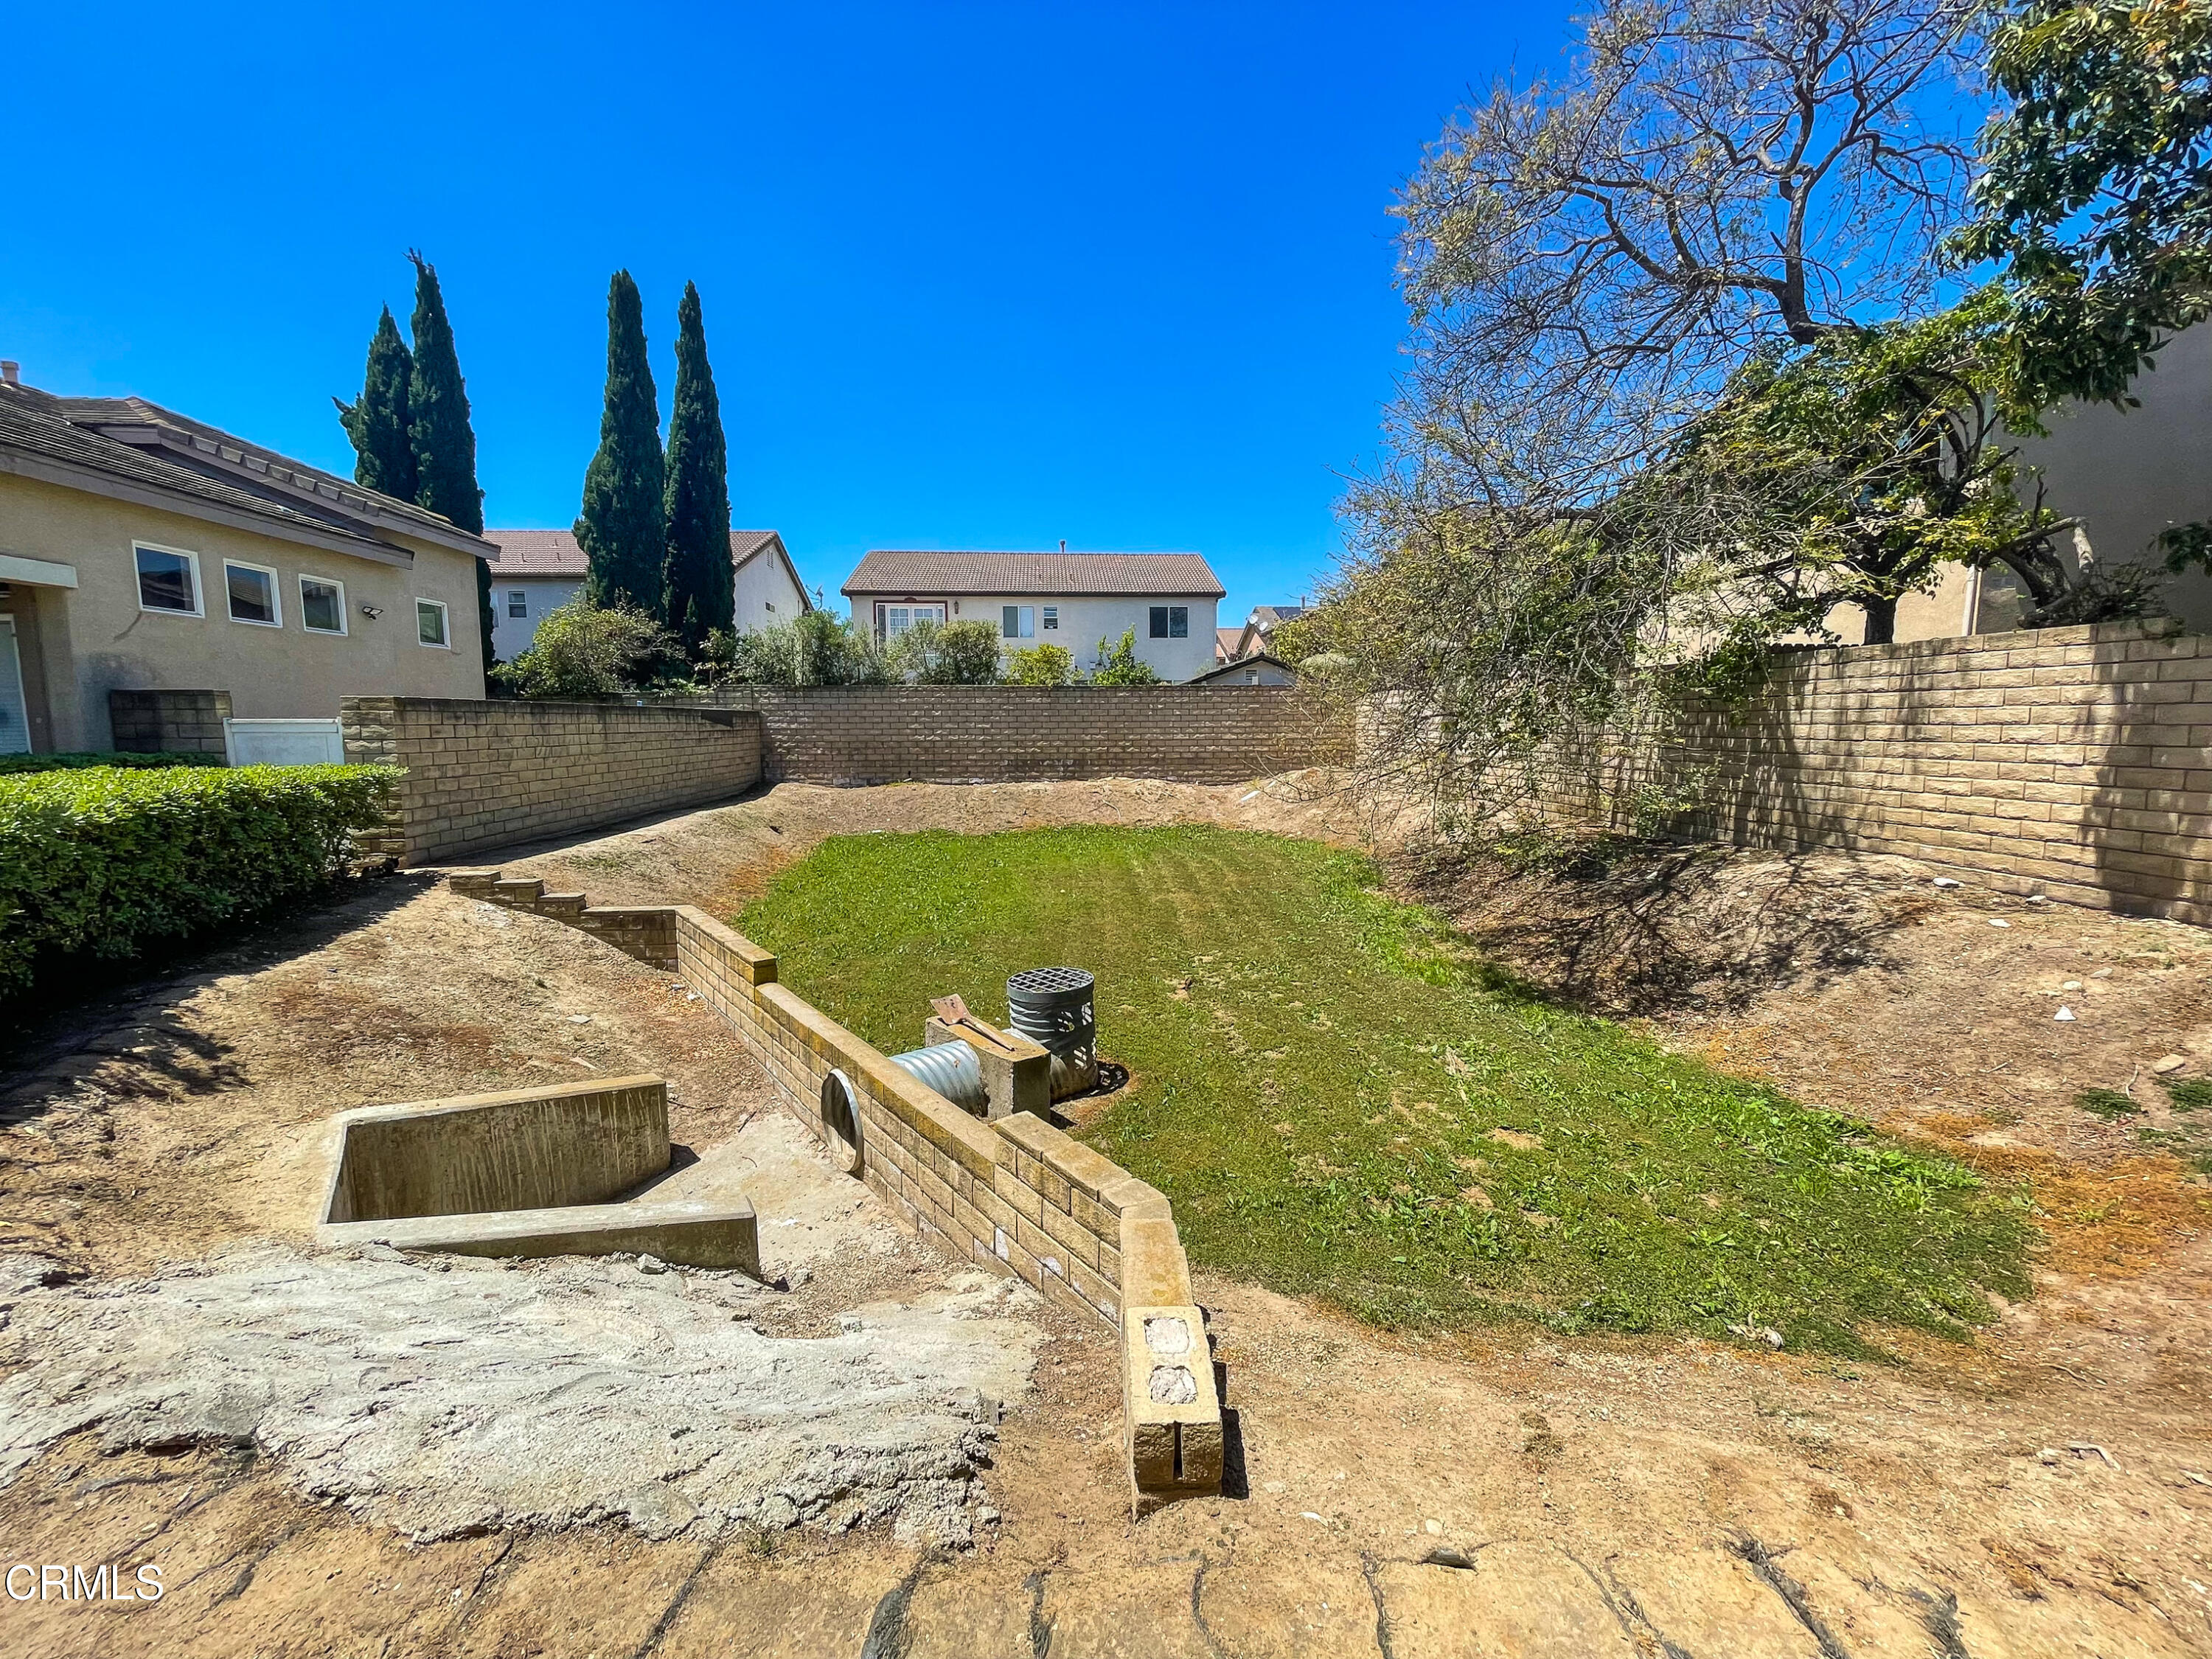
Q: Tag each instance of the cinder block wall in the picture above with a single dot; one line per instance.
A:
(2074, 762)
(167, 722)
(1017, 733)
(481, 774)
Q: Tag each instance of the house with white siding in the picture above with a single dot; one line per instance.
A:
(538, 571)
(1071, 599)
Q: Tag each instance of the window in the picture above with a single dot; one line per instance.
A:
(517, 602)
(322, 605)
(1051, 618)
(898, 618)
(167, 580)
(430, 623)
(768, 604)
(1170, 621)
(1018, 621)
(251, 591)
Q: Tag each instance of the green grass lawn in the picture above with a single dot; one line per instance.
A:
(1342, 1103)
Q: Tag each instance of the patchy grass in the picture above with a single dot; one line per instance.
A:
(2110, 1104)
(1342, 1102)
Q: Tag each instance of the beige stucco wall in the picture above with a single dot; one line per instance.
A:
(96, 637)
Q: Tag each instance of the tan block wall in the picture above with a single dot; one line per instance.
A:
(2074, 762)
(1018, 733)
(485, 774)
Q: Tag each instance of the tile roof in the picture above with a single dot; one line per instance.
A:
(1181, 574)
(141, 425)
(1225, 641)
(30, 421)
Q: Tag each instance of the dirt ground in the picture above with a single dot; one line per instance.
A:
(2043, 1490)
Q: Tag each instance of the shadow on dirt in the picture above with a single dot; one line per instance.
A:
(84, 1010)
(1624, 928)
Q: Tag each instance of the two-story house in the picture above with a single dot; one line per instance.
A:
(144, 554)
(1071, 599)
(539, 571)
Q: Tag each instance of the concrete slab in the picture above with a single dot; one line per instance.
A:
(687, 1232)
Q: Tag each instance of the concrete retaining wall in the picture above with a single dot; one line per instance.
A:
(528, 1149)
(490, 774)
(855, 735)
(1013, 1194)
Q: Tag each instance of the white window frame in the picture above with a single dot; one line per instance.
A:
(138, 587)
(915, 611)
(512, 594)
(306, 627)
(1052, 619)
(1024, 618)
(276, 593)
(445, 624)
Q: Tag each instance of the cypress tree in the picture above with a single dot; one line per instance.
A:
(623, 526)
(384, 453)
(438, 426)
(697, 583)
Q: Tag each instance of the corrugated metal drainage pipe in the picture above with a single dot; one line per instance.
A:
(950, 1068)
(1051, 1006)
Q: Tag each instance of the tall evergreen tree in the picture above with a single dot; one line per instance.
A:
(623, 526)
(698, 585)
(384, 453)
(438, 426)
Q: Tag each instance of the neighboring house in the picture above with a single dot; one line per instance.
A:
(1073, 599)
(142, 550)
(1225, 641)
(1258, 635)
(538, 571)
(2126, 473)
(1261, 670)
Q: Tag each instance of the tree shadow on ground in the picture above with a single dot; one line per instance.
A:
(1619, 927)
(84, 1012)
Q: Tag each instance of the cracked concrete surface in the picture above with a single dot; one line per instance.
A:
(447, 1396)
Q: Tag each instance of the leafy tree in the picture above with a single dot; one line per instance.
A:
(1045, 664)
(623, 527)
(383, 450)
(439, 432)
(947, 653)
(2096, 191)
(698, 582)
(583, 650)
(1118, 665)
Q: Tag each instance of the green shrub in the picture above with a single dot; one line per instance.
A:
(106, 861)
(582, 650)
(1118, 665)
(1043, 665)
(76, 763)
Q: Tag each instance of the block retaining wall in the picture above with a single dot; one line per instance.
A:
(2073, 762)
(490, 774)
(1014, 1194)
(861, 735)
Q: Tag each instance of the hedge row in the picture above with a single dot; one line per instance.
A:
(109, 860)
(72, 762)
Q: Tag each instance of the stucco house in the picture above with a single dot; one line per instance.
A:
(538, 571)
(2127, 474)
(1258, 669)
(1257, 636)
(143, 551)
(1071, 599)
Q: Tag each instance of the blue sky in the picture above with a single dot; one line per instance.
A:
(974, 275)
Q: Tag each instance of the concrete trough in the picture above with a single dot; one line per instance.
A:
(527, 1172)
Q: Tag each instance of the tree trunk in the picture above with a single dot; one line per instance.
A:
(1881, 620)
